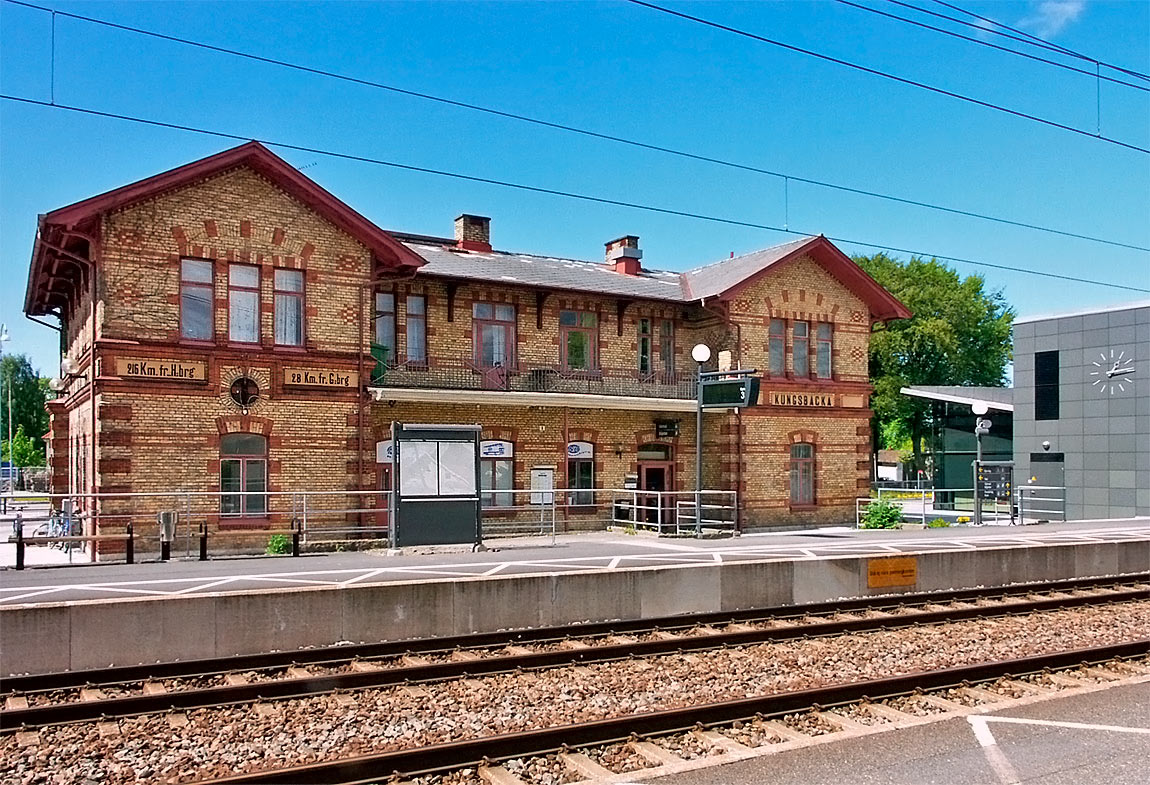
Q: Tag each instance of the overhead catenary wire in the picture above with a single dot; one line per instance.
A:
(887, 75)
(681, 153)
(1090, 73)
(553, 191)
(1027, 38)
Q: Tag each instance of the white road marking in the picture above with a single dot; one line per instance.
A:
(28, 595)
(1058, 724)
(614, 562)
(497, 568)
(717, 557)
(364, 576)
(994, 755)
(203, 586)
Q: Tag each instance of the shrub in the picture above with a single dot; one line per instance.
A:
(938, 523)
(279, 544)
(881, 515)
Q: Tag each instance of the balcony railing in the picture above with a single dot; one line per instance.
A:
(528, 375)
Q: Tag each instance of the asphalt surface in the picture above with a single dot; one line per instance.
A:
(950, 753)
(565, 553)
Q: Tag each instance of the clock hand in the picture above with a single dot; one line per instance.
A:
(1116, 371)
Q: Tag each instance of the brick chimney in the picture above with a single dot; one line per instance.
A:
(473, 232)
(624, 254)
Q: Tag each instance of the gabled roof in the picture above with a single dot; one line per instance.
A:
(81, 215)
(725, 278)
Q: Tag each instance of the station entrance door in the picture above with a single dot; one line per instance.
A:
(656, 473)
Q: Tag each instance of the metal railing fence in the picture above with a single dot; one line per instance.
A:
(1029, 502)
(533, 374)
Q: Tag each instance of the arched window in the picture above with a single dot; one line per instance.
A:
(243, 474)
(802, 474)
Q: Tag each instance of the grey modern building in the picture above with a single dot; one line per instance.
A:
(1082, 408)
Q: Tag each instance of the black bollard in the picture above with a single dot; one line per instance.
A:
(203, 542)
(295, 537)
(130, 546)
(19, 525)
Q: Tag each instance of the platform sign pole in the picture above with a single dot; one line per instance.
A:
(981, 427)
(700, 354)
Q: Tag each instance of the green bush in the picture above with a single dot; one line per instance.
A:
(279, 544)
(881, 515)
(938, 523)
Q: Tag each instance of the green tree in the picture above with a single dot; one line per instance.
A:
(28, 451)
(29, 394)
(959, 334)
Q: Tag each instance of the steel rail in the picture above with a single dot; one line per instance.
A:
(448, 756)
(342, 654)
(305, 686)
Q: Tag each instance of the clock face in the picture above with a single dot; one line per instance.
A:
(1114, 372)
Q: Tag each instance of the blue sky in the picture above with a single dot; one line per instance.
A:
(619, 69)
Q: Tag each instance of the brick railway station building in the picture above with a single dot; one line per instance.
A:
(229, 326)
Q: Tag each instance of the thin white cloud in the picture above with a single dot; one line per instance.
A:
(1051, 17)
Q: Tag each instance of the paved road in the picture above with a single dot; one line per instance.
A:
(569, 553)
(1113, 749)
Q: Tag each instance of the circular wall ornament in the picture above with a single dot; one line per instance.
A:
(244, 388)
(1113, 373)
(244, 392)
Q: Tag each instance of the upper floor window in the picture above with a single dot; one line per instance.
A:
(385, 324)
(243, 303)
(289, 307)
(494, 331)
(667, 346)
(776, 348)
(802, 474)
(196, 299)
(416, 329)
(823, 353)
(801, 349)
(645, 339)
(579, 340)
(1046, 385)
(243, 474)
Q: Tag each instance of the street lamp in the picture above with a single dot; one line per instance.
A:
(981, 428)
(700, 354)
(5, 338)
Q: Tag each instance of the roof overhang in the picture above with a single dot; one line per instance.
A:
(83, 216)
(883, 305)
(956, 398)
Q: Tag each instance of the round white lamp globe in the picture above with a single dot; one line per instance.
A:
(701, 353)
(979, 408)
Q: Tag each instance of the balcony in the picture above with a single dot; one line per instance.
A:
(532, 381)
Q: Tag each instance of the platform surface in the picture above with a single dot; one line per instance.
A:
(1105, 741)
(566, 554)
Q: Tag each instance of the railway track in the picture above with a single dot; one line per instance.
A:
(39, 701)
(704, 722)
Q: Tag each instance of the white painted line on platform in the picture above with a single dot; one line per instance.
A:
(994, 755)
(497, 568)
(29, 595)
(201, 587)
(1058, 724)
(717, 556)
(614, 562)
(365, 576)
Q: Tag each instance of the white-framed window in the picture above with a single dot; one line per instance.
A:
(289, 298)
(196, 296)
(802, 474)
(243, 303)
(243, 475)
(497, 473)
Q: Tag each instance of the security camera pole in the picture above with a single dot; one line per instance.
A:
(981, 428)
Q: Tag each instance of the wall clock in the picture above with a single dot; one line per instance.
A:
(1113, 372)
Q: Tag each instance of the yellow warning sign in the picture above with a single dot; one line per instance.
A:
(892, 571)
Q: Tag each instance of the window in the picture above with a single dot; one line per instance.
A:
(289, 307)
(776, 348)
(385, 325)
(645, 347)
(196, 299)
(1046, 385)
(802, 474)
(581, 476)
(801, 349)
(243, 303)
(496, 473)
(579, 339)
(823, 346)
(494, 330)
(417, 329)
(243, 475)
(667, 347)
